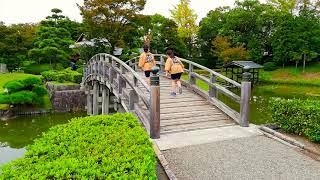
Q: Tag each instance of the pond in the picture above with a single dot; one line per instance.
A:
(259, 107)
(17, 133)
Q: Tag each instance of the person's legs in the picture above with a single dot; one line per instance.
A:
(147, 74)
(179, 83)
(173, 85)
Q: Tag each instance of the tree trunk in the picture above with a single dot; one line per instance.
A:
(296, 64)
(304, 62)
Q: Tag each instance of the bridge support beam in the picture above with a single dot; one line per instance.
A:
(105, 100)
(95, 98)
(245, 98)
(155, 105)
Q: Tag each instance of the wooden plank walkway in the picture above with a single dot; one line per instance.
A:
(187, 111)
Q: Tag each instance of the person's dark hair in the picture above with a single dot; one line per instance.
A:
(170, 53)
(145, 48)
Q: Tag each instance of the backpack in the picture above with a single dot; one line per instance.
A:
(149, 58)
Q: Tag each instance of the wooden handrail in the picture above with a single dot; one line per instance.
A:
(113, 61)
(214, 87)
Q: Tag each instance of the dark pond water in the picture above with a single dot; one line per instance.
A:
(17, 133)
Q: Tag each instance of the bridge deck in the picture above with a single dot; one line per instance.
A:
(187, 111)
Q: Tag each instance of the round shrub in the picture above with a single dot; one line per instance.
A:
(99, 147)
(270, 66)
(49, 75)
(4, 99)
(31, 81)
(39, 91)
(14, 86)
(22, 97)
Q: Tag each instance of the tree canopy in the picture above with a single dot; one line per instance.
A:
(110, 19)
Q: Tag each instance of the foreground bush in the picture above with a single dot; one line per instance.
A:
(100, 147)
(301, 117)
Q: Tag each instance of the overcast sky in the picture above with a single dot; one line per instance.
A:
(26, 11)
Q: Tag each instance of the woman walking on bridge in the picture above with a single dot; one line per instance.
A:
(146, 62)
(175, 67)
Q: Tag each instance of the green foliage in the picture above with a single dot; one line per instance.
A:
(186, 18)
(22, 97)
(49, 75)
(4, 99)
(31, 81)
(15, 41)
(270, 66)
(51, 45)
(301, 117)
(100, 147)
(13, 86)
(24, 91)
(164, 35)
(39, 90)
(23, 84)
(110, 19)
(37, 68)
(286, 31)
(62, 76)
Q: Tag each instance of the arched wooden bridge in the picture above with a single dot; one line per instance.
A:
(111, 82)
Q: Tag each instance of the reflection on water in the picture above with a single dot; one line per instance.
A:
(259, 105)
(17, 133)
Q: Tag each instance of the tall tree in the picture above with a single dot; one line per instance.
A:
(186, 18)
(210, 28)
(223, 50)
(16, 40)
(60, 21)
(163, 35)
(110, 19)
(51, 46)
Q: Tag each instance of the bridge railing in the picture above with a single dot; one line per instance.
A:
(118, 77)
(217, 83)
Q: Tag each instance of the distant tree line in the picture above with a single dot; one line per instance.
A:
(279, 32)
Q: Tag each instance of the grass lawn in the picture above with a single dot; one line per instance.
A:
(293, 76)
(63, 83)
(199, 83)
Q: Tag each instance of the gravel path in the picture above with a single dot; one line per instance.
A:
(246, 158)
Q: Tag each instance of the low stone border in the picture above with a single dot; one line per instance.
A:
(164, 163)
(289, 140)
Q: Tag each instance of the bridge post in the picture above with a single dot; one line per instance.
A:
(192, 80)
(212, 90)
(95, 98)
(245, 98)
(89, 100)
(155, 104)
(136, 64)
(162, 64)
(105, 100)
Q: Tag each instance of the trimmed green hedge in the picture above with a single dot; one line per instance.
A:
(100, 147)
(301, 117)
(23, 84)
(62, 76)
(25, 91)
